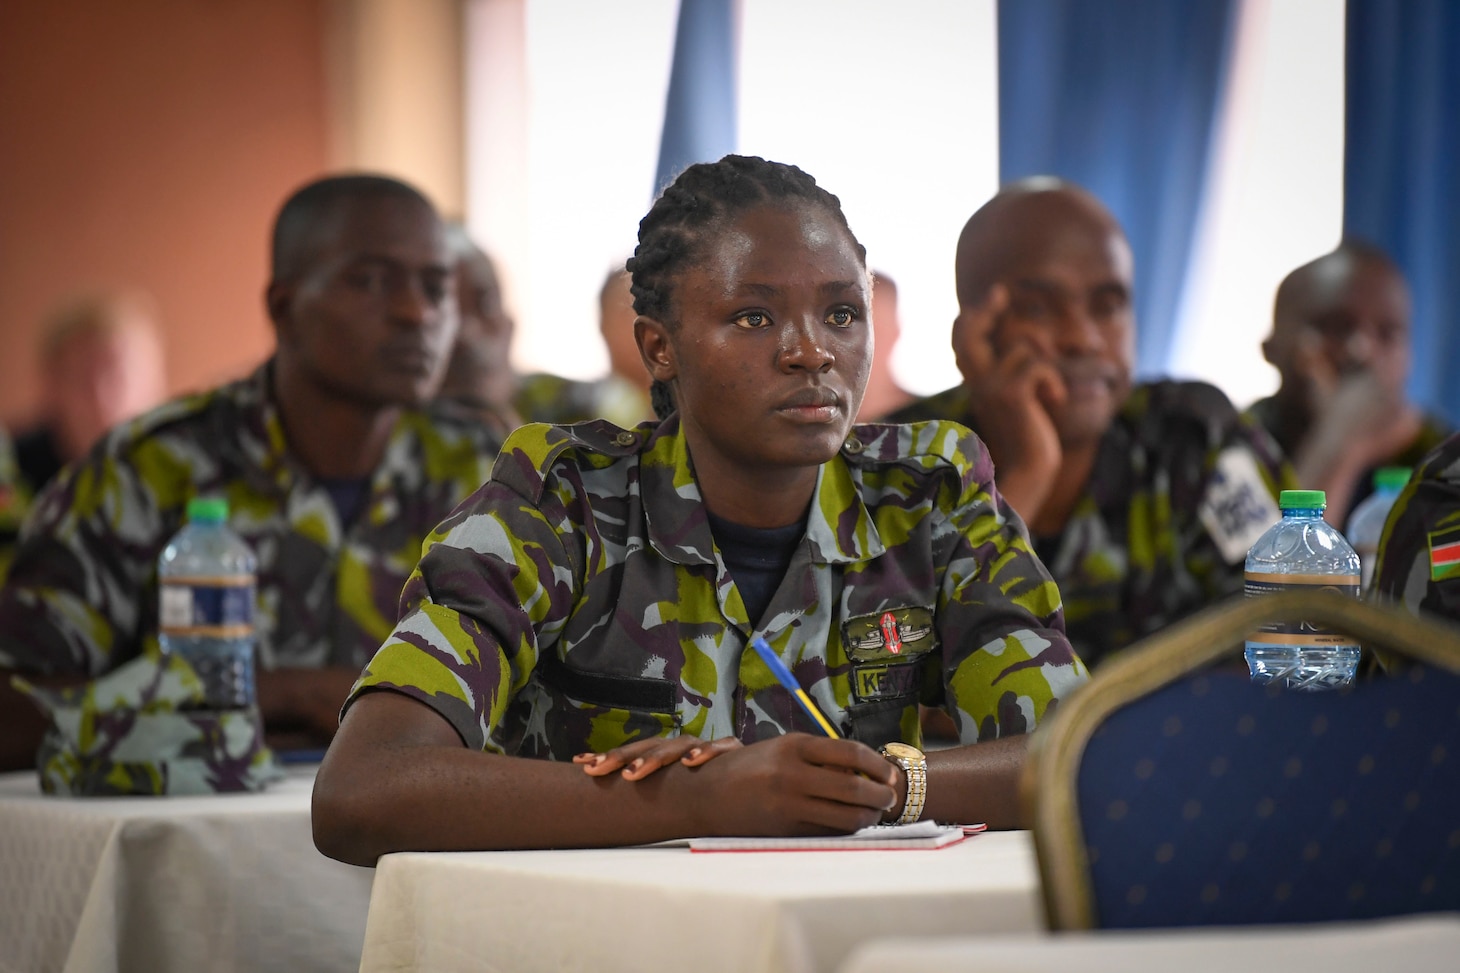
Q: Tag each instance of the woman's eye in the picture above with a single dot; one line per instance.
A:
(752, 319)
(842, 317)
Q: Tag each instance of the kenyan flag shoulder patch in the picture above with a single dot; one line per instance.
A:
(1445, 554)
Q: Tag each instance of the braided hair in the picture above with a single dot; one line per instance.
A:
(686, 215)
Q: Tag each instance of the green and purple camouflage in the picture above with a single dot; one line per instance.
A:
(542, 397)
(140, 730)
(82, 593)
(578, 602)
(14, 502)
(1181, 487)
(1419, 553)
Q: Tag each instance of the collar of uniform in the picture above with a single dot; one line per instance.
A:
(839, 528)
(673, 507)
(261, 430)
(265, 443)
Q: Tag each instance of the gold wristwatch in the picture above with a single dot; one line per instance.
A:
(915, 766)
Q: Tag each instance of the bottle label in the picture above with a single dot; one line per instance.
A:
(1300, 633)
(219, 607)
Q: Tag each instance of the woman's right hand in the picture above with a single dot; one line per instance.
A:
(797, 784)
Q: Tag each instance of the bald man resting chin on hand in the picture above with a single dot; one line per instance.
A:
(1142, 499)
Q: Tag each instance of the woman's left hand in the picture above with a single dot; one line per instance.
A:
(641, 758)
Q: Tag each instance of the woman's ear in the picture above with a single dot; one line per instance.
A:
(655, 348)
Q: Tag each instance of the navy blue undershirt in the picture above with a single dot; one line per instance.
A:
(348, 494)
(757, 559)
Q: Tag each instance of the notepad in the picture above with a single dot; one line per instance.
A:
(879, 837)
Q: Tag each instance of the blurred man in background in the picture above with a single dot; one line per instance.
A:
(481, 376)
(1340, 342)
(101, 363)
(334, 457)
(625, 393)
(883, 394)
(1141, 499)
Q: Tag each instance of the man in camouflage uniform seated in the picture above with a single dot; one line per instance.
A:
(1419, 554)
(1340, 340)
(331, 465)
(1142, 501)
(594, 602)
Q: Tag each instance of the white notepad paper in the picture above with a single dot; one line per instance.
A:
(879, 837)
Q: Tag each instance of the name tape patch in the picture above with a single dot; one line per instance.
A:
(1237, 508)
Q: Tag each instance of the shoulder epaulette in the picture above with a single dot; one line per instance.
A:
(533, 449)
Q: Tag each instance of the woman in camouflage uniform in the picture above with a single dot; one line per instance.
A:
(594, 600)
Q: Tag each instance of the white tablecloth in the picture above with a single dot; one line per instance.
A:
(638, 909)
(1411, 945)
(226, 883)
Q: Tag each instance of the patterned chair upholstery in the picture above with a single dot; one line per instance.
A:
(1172, 791)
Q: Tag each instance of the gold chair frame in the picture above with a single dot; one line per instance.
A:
(1048, 787)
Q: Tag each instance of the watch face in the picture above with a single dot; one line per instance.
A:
(904, 751)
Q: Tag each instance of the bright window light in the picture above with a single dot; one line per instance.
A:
(892, 107)
(1276, 197)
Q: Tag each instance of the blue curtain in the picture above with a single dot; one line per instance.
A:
(1401, 184)
(1121, 97)
(699, 113)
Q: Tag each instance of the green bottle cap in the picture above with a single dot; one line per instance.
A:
(208, 510)
(1302, 500)
(1391, 477)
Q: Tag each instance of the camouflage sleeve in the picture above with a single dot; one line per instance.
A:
(1006, 659)
(1236, 503)
(494, 586)
(14, 501)
(72, 602)
(1419, 552)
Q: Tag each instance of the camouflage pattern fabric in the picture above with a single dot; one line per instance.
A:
(1432, 432)
(578, 601)
(14, 502)
(563, 401)
(1181, 487)
(1419, 553)
(82, 596)
(138, 730)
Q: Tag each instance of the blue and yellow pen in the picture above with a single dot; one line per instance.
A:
(783, 675)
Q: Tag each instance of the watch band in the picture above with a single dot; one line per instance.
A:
(915, 766)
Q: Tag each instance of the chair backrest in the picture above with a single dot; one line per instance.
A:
(1172, 792)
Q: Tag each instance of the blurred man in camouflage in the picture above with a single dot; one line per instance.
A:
(1142, 500)
(1340, 341)
(333, 465)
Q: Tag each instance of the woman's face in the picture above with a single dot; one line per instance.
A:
(773, 343)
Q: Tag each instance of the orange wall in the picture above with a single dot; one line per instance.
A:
(148, 143)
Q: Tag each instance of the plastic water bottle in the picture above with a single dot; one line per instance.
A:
(1366, 523)
(1302, 552)
(206, 583)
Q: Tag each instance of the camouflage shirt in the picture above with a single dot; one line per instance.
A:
(578, 601)
(14, 501)
(1181, 488)
(562, 401)
(82, 596)
(1432, 432)
(1419, 554)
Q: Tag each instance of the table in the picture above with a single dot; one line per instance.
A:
(1411, 944)
(222, 882)
(634, 909)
